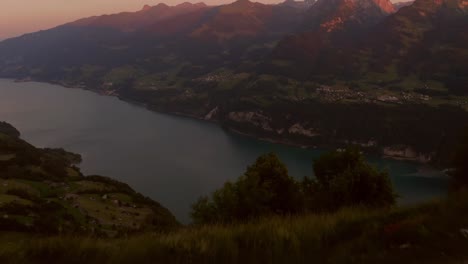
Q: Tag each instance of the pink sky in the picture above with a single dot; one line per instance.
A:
(22, 16)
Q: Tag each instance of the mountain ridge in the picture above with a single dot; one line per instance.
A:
(132, 21)
(267, 70)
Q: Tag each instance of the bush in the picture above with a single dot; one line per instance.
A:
(265, 189)
(344, 178)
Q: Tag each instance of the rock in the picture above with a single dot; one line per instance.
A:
(406, 153)
(299, 129)
(104, 197)
(388, 99)
(211, 114)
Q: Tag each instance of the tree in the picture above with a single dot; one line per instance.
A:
(265, 189)
(344, 178)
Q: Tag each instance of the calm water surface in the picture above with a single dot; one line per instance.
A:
(171, 159)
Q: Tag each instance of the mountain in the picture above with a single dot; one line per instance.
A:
(219, 23)
(340, 38)
(332, 15)
(329, 26)
(241, 18)
(238, 20)
(132, 21)
(317, 76)
(206, 37)
(425, 39)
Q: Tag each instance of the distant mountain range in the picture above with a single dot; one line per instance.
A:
(221, 62)
(148, 16)
(343, 38)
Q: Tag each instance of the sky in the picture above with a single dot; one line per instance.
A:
(18, 17)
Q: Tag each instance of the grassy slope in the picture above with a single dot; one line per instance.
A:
(425, 234)
(42, 191)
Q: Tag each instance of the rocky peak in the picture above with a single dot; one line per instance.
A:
(190, 5)
(161, 5)
(241, 6)
(331, 15)
(243, 3)
(146, 8)
(385, 5)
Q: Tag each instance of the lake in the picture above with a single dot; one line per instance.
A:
(171, 159)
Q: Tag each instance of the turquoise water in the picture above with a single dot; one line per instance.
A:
(171, 159)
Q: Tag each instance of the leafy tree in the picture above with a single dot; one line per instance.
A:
(266, 188)
(344, 178)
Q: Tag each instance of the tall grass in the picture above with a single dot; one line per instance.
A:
(352, 235)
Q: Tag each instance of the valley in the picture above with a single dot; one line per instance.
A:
(316, 131)
(288, 73)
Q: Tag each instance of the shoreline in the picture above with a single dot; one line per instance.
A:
(277, 141)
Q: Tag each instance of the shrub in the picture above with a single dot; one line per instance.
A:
(344, 178)
(266, 188)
